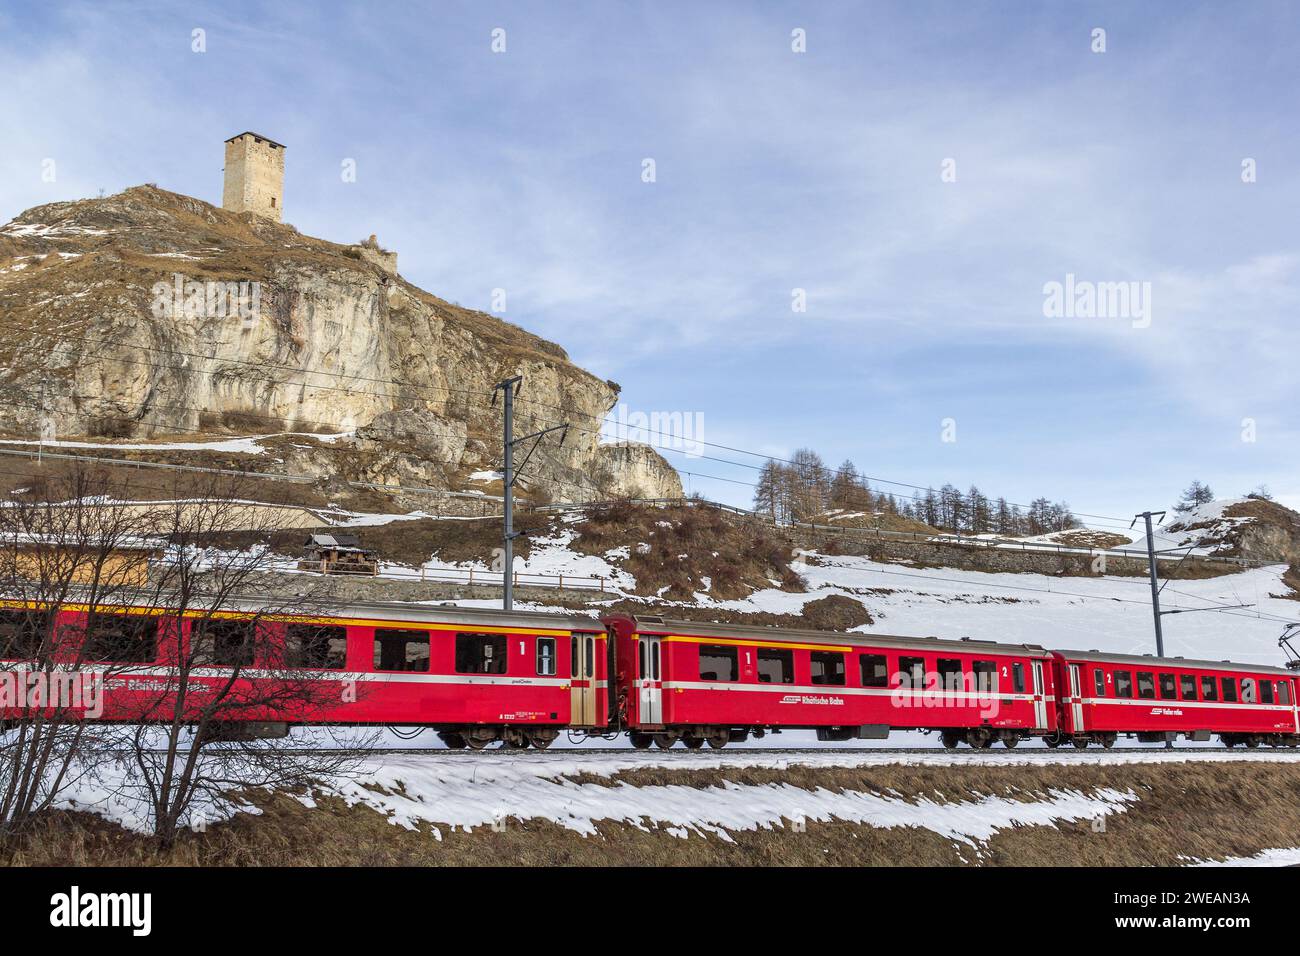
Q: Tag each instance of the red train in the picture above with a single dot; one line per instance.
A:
(478, 676)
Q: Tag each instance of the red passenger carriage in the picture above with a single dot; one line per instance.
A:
(1159, 698)
(717, 683)
(476, 676)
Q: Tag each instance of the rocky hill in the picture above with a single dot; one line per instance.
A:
(1250, 528)
(150, 313)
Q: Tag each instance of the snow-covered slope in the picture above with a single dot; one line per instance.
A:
(1203, 530)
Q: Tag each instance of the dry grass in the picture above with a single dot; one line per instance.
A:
(414, 542)
(1192, 809)
(673, 550)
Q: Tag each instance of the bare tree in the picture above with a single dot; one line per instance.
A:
(160, 649)
(67, 550)
(239, 664)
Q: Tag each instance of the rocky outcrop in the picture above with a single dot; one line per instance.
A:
(1273, 536)
(1252, 528)
(150, 314)
(635, 470)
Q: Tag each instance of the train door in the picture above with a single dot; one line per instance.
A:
(582, 673)
(650, 680)
(1040, 704)
(1076, 699)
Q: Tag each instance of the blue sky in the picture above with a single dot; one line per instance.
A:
(775, 171)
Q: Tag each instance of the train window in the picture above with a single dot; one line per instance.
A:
(1266, 692)
(591, 659)
(911, 672)
(322, 647)
(1099, 681)
(479, 653)
(1168, 687)
(1284, 693)
(717, 662)
(640, 651)
(222, 643)
(120, 637)
(875, 672)
(985, 676)
(1248, 690)
(775, 666)
(1123, 684)
(827, 667)
(1229, 689)
(574, 661)
(949, 669)
(406, 650)
(1018, 678)
(1209, 689)
(20, 634)
(1189, 686)
(1146, 684)
(546, 656)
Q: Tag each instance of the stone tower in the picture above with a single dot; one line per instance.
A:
(254, 176)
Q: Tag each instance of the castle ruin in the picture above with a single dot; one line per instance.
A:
(254, 176)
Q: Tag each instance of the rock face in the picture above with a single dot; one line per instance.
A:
(1250, 528)
(150, 314)
(635, 470)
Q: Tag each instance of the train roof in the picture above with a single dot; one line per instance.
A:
(657, 625)
(395, 611)
(437, 614)
(1172, 663)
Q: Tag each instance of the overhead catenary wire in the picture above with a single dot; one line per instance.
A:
(420, 386)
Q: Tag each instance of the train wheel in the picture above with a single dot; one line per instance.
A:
(979, 738)
(1252, 742)
(693, 742)
(453, 741)
(665, 741)
(638, 740)
(476, 743)
(1010, 740)
(1080, 743)
(717, 739)
(1228, 740)
(1052, 742)
(1108, 741)
(950, 739)
(541, 739)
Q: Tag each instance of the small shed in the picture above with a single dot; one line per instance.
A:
(338, 554)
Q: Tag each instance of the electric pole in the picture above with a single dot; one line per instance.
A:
(1155, 583)
(1157, 587)
(509, 389)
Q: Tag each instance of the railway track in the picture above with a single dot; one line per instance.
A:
(950, 756)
